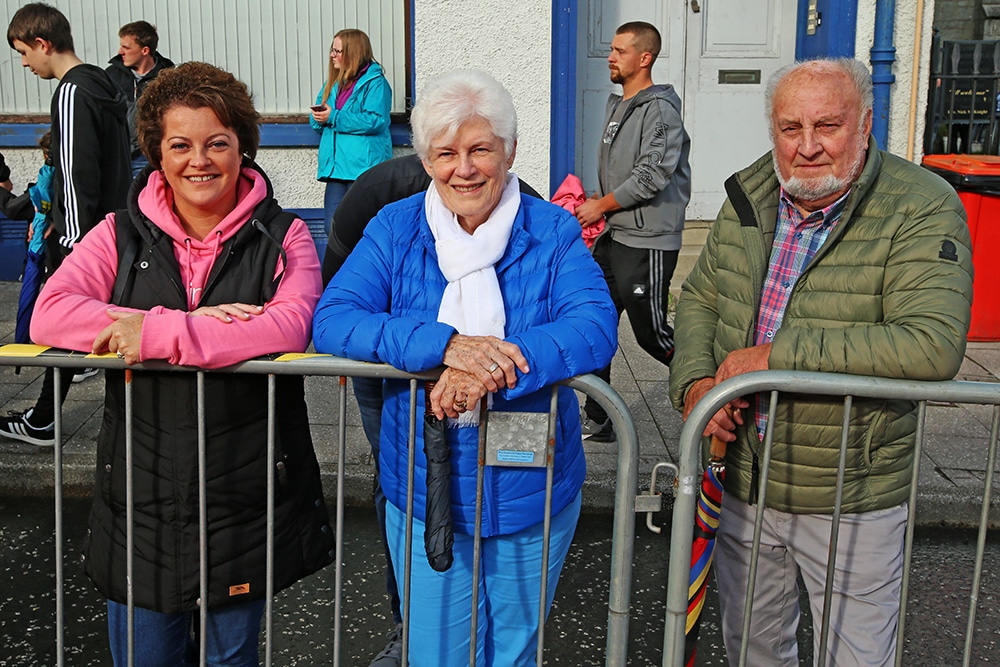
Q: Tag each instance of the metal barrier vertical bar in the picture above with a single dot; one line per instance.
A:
(411, 445)
(477, 532)
(831, 558)
(129, 516)
(338, 595)
(681, 535)
(202, 525)
(911, 514)
(984, 519)
(57, 464)
(269, 562)
(623, 528)
(550, 455)
(765, 469)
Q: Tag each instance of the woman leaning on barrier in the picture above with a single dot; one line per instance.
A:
(501, 290)
(202, 269)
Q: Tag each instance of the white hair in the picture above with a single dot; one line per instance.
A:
(449, 100)
(855, 70)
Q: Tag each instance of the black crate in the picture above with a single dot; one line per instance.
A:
(963, 111)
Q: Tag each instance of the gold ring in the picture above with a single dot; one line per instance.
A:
(493, 367)
(461, 405)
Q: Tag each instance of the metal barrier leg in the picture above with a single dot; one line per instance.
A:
(202, 525)
(60, 576)
(981, 540)
(269, 564)
(550, 455)
(831, 558)
(910, 525)
(129, 516)
(765, 467)
(411, 446)
(477, 533)
(341, 474)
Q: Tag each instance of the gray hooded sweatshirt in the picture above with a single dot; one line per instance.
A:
(644, 161)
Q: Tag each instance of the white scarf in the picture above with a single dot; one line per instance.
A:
(472, 302)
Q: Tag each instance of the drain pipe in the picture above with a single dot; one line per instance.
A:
(883, 55)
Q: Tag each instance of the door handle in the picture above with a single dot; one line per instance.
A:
(695, 7)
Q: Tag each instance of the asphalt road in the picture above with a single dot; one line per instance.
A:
(303, 623)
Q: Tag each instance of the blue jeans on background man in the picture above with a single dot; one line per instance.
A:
(336, 188)
(368, 391)
(167, 640)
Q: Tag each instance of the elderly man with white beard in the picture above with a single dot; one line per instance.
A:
(828, 255)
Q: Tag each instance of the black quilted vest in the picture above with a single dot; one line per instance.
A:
(165, 436)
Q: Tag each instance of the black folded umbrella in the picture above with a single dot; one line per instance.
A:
(439, 534)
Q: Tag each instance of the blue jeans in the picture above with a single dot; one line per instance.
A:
(509, 582)
(368, 391)
(168, 640)
(335, 191)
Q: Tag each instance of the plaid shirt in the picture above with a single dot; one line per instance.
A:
(796, 241)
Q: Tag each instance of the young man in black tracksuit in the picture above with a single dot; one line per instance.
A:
(90, 153)
(645, 185)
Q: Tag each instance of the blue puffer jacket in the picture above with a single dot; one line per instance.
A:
(382, 306)
(356, 137)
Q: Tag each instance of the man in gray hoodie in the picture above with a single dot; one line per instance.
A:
(644, 187)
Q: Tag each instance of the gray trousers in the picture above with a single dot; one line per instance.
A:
(866, 587)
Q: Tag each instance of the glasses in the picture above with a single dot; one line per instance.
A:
(336, 52)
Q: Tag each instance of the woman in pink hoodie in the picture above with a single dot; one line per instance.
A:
(203, 269)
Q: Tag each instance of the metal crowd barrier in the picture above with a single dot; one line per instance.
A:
(820, 384)
(626, 501)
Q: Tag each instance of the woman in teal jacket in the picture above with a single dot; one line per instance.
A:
(352, 116)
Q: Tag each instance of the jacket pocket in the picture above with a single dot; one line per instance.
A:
(874, 436)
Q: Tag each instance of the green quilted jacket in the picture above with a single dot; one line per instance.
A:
(888, 295)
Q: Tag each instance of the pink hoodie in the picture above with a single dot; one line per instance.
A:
(78, 293)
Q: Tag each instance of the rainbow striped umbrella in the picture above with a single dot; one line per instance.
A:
(703, 546)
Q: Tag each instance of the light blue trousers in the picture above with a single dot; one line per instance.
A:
(509, 585)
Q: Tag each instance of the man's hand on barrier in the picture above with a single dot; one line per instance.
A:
(123, 336)
(493, 361)
(722, 424)
(742, 361)
(455, 392)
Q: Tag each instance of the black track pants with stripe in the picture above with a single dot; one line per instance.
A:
(639, 281)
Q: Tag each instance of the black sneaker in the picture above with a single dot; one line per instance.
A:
(597, 431)
(392, 654)
(17, 427)
(85, 374)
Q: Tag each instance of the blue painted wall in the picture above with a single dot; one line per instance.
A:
(835, 34)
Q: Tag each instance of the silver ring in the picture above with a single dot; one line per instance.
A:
(120, 355)
(493, 367)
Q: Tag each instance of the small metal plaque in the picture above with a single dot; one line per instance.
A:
(517, 439)
(739, 76)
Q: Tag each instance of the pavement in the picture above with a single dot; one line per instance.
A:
(949, 493)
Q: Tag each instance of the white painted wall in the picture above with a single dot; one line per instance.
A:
(512, 41)
(905, 39)
(293, 174)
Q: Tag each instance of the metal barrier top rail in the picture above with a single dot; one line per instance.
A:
(328, 365)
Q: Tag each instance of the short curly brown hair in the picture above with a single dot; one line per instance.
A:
(197, 85)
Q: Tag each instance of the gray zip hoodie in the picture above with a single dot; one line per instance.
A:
(644, 161)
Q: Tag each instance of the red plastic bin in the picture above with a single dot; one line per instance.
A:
(976, 178)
